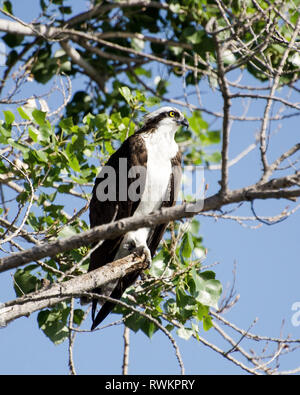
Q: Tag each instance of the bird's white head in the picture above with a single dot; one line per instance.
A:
(168, 117)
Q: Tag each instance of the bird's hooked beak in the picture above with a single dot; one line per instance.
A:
(184, 122)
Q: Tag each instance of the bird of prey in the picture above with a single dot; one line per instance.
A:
(142, 176)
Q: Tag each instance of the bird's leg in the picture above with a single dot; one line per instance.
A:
(144, 250)
(139, 247)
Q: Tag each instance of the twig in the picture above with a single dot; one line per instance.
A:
(71, 339)
(226, 109)
(19, 229)
(126, 335)
(270, 98)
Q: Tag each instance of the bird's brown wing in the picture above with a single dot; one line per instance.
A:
(103, 212)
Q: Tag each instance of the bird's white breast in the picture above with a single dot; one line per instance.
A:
(161, 148)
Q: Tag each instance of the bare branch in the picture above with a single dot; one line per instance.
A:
(226, 109)
(19, 229)
(77, 58)
(126, 335)
(263, 144)
(71, 339)
(278, 161)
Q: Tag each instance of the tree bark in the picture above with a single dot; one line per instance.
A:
(77, 286)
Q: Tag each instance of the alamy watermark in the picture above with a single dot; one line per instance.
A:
(295, 320)
(3, 55)
(135, 184)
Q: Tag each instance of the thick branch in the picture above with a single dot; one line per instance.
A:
(165, 215)
(57, 292)
(58, 34)
(27, 29)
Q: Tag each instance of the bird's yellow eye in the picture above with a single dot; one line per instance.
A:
(172, 114)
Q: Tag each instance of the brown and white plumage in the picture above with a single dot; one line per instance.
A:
(153, 149)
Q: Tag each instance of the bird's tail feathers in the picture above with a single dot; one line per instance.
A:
(117, 293)
(103, 313)
(105, 309)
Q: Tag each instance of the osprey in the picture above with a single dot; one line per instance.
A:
(142, 176)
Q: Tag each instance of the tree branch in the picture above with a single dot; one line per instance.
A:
(263, 130)
(126, 336)
(165, 215)
(226, 110)
(57, 292)
(78, 59)
(101, 9)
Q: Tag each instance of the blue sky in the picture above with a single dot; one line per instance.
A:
(268, 275)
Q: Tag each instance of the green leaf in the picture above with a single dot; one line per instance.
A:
(39, 116)
(158, 267)
(184, 333)
(5, 130)
(196, 37)
(187, 245)
(137, 44)
(207, 323)
(152, 101)
(197, 124)
(33, 134)
(207, 290)
(40, 135)
(23, 113)
(228, 57)
(135, 322)
(7, 6)
(175, 7)
(26, 282)
(18, 146)
(65, 10)
(208, 275)
(148, 327)
(54, 323)
(195, 226)
(214, 136)
(78, 316)
(65, 188)
(42, 156)
(185, 303)
(9, 117)
(67, 123)
(171, 307)
(67, 231)
(142, 71)
(215, 157)
(169, 327)
(74, 164)
(13, 40)
(125, 92)
(202, 311)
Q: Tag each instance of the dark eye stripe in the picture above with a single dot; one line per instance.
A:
(151, 123)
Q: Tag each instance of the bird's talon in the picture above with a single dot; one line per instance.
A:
(142, 250)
